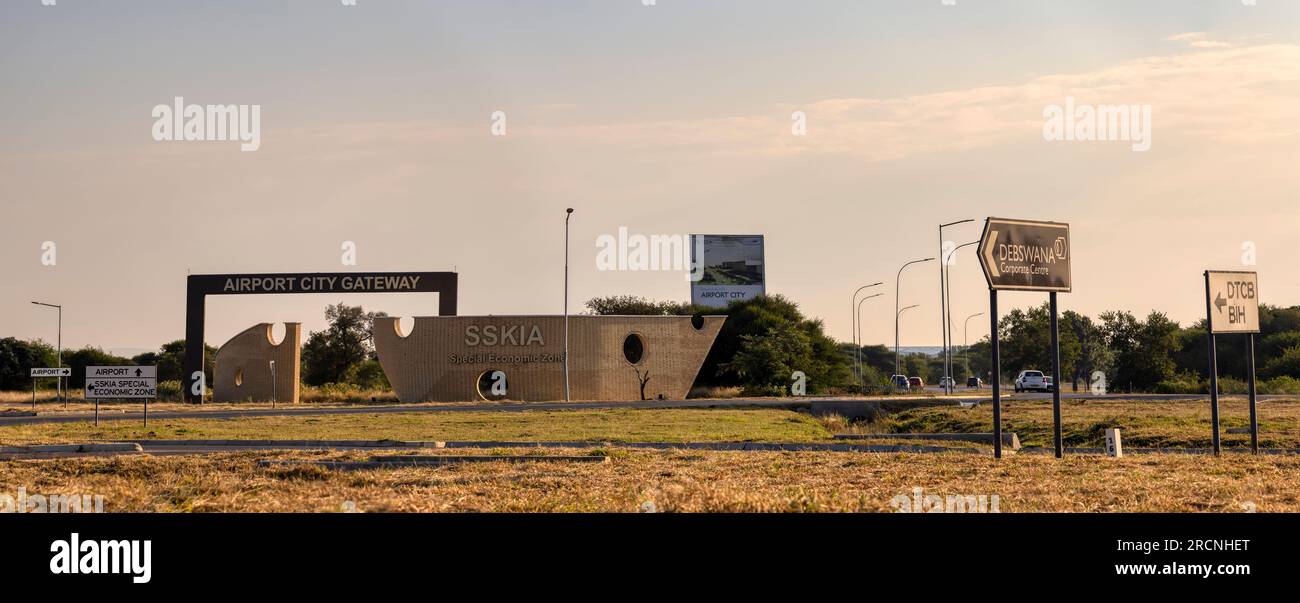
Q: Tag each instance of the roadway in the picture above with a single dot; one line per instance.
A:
(934, 395)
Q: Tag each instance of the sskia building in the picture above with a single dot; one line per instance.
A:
(454, 358)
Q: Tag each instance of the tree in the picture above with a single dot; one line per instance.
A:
(1144, 350)
(1089, 353)
(764, 364)
(629, 305)
(18, 357)
(335, 354)
(170, 360)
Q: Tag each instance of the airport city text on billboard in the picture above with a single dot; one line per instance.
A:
(1026, 255)
(732, 269)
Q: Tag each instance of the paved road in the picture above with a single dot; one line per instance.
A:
(984, 396)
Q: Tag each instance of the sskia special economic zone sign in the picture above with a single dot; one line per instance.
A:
(107, 382)
(1026, 255)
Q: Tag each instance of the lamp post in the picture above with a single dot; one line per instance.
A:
(59, 378)
(858, 335)
(896, 315)
(965, 343)
(897, 281)
(568, 213)
(943, 302)
(947, 359)
(857, 355)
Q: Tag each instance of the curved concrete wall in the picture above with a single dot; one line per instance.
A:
(243, 370)
(443, 357)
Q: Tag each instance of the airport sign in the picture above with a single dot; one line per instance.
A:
(52, 372)
(121, 382)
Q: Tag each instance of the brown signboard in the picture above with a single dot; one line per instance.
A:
(1026, 255)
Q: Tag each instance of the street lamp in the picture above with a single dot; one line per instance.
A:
(858, 334)
(896, 315)
(568, 213)
(897, 281)
(947, 363)
(965, 352)
(58, 378)
(854, 328)
(943, 303)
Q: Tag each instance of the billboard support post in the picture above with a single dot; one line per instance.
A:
(997, 373)
(1056, 377)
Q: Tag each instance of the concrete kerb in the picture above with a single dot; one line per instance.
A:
(721, 446)
(1009, 439)
(95, 447)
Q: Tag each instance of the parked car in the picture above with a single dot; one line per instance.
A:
(900, 382)
(916, 382)
(1033, 381)
(973, 381)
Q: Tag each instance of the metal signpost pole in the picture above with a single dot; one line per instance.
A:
(1214, 366)
(1250, 389)
(1056, 377)
(997, 374)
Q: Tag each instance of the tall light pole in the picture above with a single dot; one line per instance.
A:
(568, 213)
(897, 282)
(943, 303)
(58, 379)
(965, 343)
(896, 315)
(858, 335)
(947, 359)
(857, 355)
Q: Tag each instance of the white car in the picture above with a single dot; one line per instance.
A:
(1033, 380)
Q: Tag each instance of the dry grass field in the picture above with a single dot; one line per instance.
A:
(671, 481)
(1145, 423)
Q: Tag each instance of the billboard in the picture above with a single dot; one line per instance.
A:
(730, 268)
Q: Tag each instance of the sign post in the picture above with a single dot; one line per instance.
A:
(1025, 255)
(56, 372)
(1232, 306)
(122, 382)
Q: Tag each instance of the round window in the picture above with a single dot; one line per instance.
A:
(633, 348)
(492, 385)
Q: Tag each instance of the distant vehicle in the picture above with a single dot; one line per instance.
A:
(973, 381)
(916, 382)
(946, 381)
(1033, 381)
(900, 382)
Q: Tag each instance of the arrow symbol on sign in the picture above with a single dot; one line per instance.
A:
(988, 254)
(1220, 302)
(137, 372)
(91, 387)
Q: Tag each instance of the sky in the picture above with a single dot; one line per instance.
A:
(378, 126)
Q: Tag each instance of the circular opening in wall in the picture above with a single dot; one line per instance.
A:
(633, 348)
(697, 321)
(492, 385)
(239, 377)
